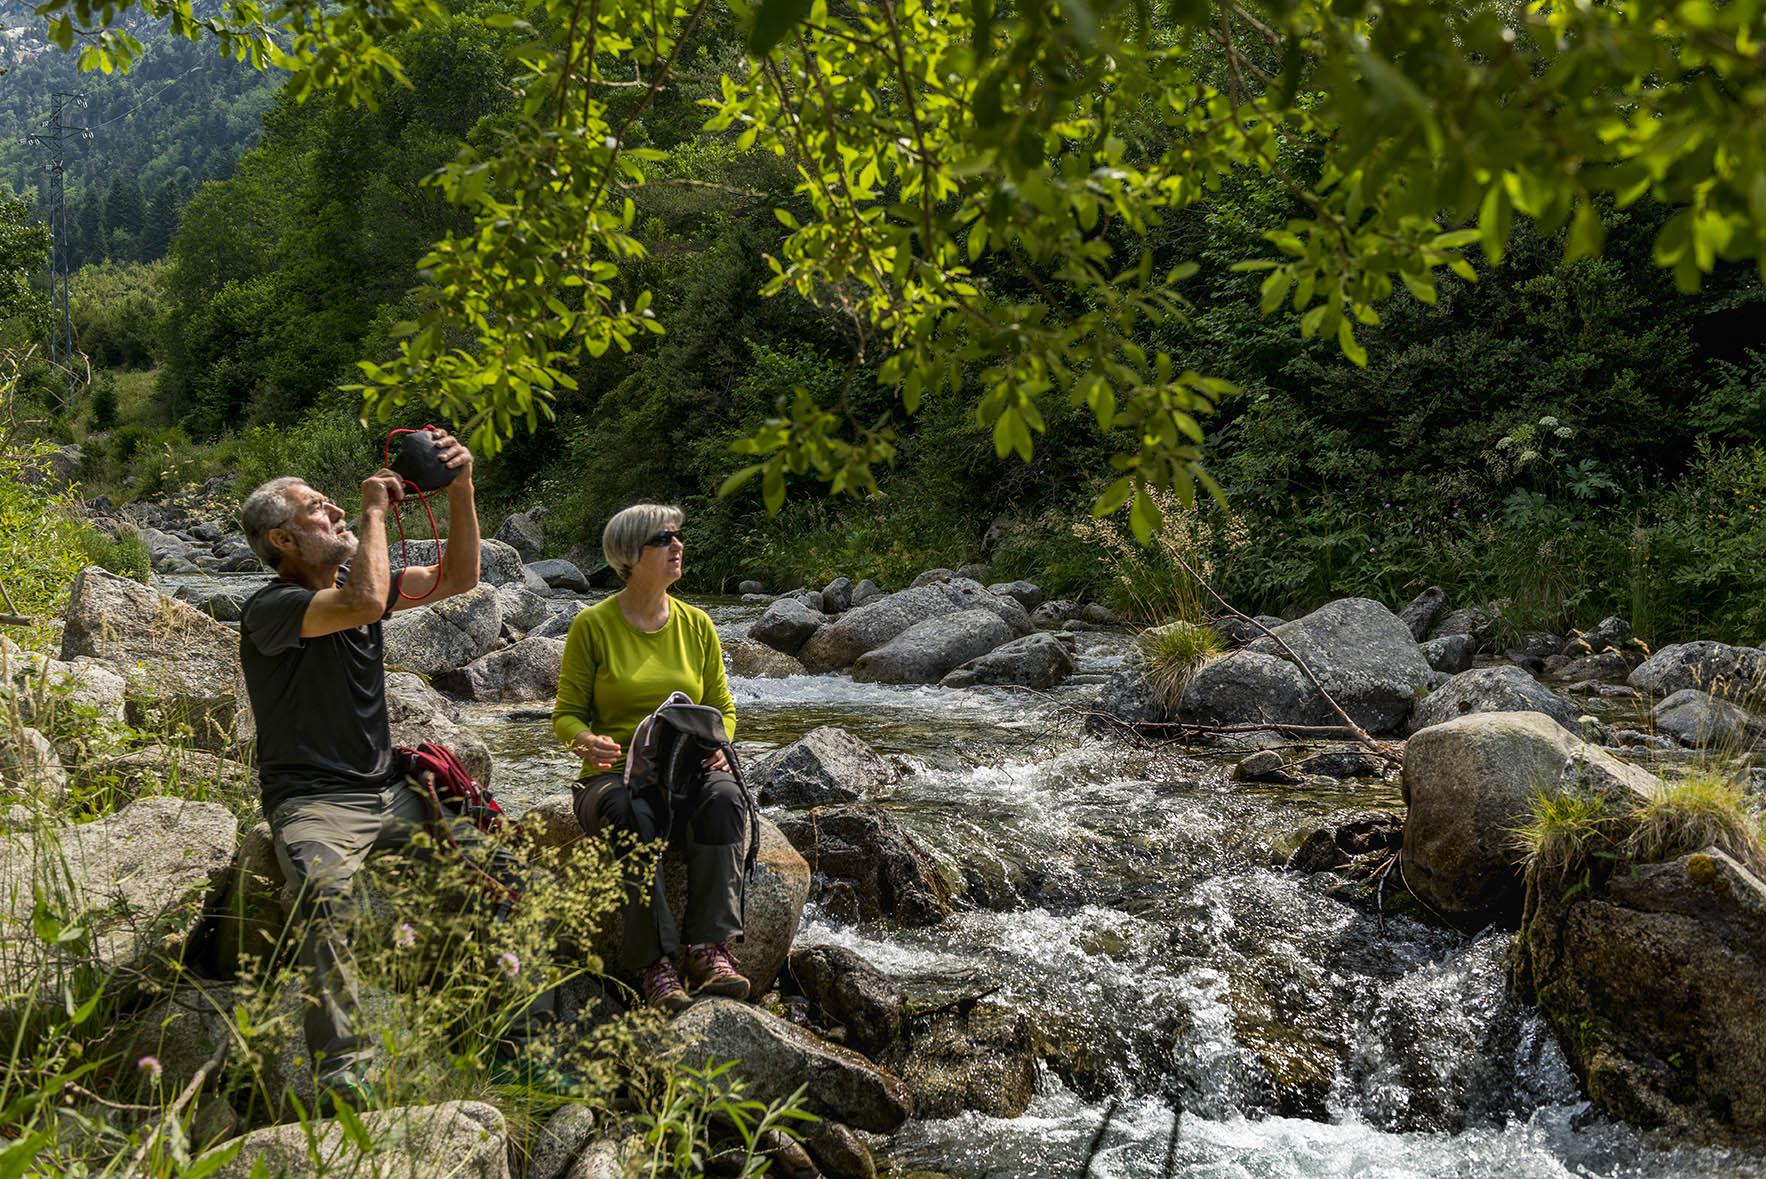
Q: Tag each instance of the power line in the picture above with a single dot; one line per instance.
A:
(149, 98)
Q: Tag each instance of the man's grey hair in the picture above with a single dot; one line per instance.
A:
(266, 508)
(622, 541)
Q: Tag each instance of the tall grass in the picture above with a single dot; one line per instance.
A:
(1172, 654)
(1569, 831)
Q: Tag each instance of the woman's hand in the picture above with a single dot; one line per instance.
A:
(600, 752)
(717, 761)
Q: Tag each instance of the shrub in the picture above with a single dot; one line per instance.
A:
(42, 539)
(1172, 654)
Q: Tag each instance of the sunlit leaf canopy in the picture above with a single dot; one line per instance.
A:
(938, 141)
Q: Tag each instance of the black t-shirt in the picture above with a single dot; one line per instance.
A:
(320, 703)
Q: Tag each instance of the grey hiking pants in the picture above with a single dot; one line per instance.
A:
(709, 830)
(321, 842)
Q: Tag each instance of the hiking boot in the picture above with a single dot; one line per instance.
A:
(712, 971)
(661, 987)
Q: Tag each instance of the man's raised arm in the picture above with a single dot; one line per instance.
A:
(458, 571)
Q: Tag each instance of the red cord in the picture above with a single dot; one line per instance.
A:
(399, 515)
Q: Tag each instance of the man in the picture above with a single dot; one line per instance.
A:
(312, 648)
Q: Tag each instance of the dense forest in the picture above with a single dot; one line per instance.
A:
(1567, 439)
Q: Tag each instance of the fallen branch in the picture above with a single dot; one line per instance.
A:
(16, 620)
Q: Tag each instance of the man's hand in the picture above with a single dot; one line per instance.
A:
(381, 490)
(598, 751)
(716, 762)
(452, 452)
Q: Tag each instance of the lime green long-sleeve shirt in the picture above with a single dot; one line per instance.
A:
(614, 675)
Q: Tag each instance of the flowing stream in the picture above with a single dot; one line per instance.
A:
(1126, 902)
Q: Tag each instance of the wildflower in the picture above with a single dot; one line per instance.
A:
(404, 937)
(151, 1066)
(509, 962)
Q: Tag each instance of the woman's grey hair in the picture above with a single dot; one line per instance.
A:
(622, 541)
(264, 509)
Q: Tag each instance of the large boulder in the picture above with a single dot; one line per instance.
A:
(1126, 700)
(29, 766)
(522, 609)
(1479, 622)
(561, 575)
(450, 634)
(837, 595)
(1469, 784)
(1734, 672)
(786, 625)
(1655, 979)
(1362, 655)
(456, 1140)
(824, 765)
(419, 713)
(925, 652)
(1703, 721)
(524, 532)
(773, 904)
(1609, 634)
(848, 992)
(867, 867)
(182, 666)
(1249, 687)
(527, 670)
(747, 659)
(168, 769)
(1493, 689)
(1027, 593)
(1451, 653)
(42, 688)
(864, 593)
(1419, 615)
(1039, 661)
(136, 881)
(775, 1058)
(498, 563)
(869, 626)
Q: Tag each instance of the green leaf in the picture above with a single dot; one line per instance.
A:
(773, 19)
(738, 480)
(1587, 233)
(21, 1154)
(1144, 518)
(1495, 219)
(1275, 289)
(1346, 341)
(1113, 498)
(208, 1164)
(1422, 286)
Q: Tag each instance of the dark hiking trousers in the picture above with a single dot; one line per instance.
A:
(709, 829)
(321, 842)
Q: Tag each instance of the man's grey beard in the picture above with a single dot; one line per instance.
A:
(325, 550)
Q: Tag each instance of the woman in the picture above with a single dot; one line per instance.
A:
(622, 658)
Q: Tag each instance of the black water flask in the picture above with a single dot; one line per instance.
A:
(419, 465)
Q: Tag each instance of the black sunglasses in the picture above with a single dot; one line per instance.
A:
(661, 539)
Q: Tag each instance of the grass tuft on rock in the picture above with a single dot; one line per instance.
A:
(1173, 653)
(1704, 809)
(1565, 829)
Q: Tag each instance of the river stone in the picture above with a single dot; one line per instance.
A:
(1265, 765)
(1469, 784)
(527, 670)
(867, 627)
(934, 577)
(1248, 687)
(927, 651)
(524, 532)
(1493, 689)
(773, 904)
(846, 991)
(1608, 666)
(773, 1058)
(750, 587)
(1609, 634)
(450, 634)
(1344, 763)
(1126, 700)
(498, 563)
(1039, 661)
(419, 713)
(1734, 672)
(1479, 622)
(182, 666)
(559, 1141)
(982, 1059)
(1053, 613)
(1026, 593)
(455, 1140)
(811, 598)
(787, 625)
(1238, 631)
(560, 574)
(1451, 653)
(1362, 655)
(29, 765)
(837, 595)
(866, 592)
(1419, 615)
(138, 880)
(824, 765)
(1701, 720)
(522, 609)
(867, 867)
(838, 1151)
(747, 659)
(1656, 984)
